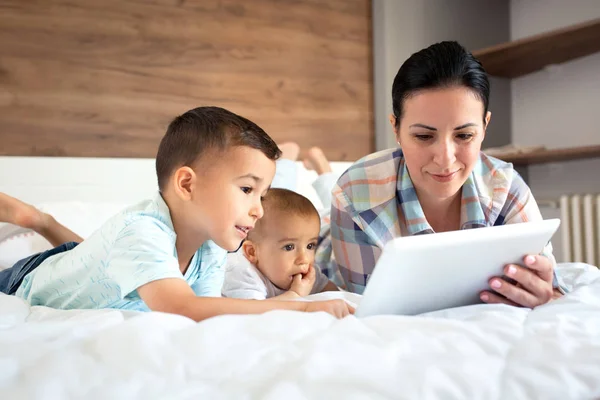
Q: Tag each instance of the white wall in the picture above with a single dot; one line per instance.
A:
(402, 27)
(557, 107)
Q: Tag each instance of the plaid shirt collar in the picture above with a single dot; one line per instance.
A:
(402, 188)
(472, 214)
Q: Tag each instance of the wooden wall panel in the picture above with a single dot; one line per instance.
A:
(104, 78)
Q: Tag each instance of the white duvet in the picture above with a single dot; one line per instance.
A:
(478, 352)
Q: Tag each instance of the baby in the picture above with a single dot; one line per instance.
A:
(277, 260)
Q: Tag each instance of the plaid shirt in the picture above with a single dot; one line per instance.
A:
(375, 201)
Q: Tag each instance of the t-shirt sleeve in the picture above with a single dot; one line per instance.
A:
(212, 271)
(242, 281)
(321, 281)
(143, 252)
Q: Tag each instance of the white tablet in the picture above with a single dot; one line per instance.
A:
(423, 273)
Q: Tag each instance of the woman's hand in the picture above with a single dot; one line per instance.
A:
(533, 285)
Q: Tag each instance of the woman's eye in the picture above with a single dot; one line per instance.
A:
(311, 246)
(246, 189)
(464, 136)
(288, 247)
(423, 137)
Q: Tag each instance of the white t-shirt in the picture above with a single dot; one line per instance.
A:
(244, 281)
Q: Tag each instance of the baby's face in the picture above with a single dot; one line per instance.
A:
(287, 247)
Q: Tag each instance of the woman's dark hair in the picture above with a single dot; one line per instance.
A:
(441, 65)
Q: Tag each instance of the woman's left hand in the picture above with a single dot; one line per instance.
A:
(533, 285)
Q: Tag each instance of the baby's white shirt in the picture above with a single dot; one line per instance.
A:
(244, 281)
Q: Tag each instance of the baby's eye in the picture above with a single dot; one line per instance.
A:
(246, 189)
(288, 247)
(311, 246)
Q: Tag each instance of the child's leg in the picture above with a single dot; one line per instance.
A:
(26, 216)
(286, 173)
(316, 160)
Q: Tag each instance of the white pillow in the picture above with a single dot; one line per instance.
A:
(81, 218)
(23, 245)
(306, 179)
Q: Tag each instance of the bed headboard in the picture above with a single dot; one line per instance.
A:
(40, 180)
(82, 193)
(104, 79)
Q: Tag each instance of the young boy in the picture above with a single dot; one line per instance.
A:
(278, 259)
(168, 253)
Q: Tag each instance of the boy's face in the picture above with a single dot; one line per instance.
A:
(285, 247)
(226, 201)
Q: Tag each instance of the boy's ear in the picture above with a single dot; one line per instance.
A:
(184, 180)
(249, 249)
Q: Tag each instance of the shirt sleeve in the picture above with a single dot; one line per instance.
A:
(321, 281)
(143, 252)
(354, 255)
(212, 272)
(241, 280)
(520, 207)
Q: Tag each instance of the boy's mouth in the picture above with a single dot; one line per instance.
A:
(243, 230)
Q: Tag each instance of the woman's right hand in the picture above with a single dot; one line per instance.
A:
(337, 308)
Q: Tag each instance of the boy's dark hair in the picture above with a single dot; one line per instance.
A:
(194, 133)
(287, 201)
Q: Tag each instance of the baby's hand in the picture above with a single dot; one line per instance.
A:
(303, 283)
(337, 308)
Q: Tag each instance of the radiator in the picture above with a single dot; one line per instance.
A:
(580, 228)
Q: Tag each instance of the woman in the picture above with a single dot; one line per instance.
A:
(439, 180)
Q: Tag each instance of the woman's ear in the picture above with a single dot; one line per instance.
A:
(249, 250)
(488, 117)
(393, 121)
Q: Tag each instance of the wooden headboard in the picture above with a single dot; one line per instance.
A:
(104, 78)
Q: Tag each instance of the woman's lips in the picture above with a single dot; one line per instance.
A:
(444, 177)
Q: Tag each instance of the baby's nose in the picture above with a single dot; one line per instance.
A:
(304, 268)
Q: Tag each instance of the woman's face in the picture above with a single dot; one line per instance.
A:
(440, 132)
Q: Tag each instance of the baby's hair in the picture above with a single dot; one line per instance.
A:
(198, 131)
(278, 202)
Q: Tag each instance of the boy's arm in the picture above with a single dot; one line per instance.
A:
(175, 296)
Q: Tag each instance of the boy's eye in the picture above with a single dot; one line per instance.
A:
(311, 246)
(288, 247)
(246, 189)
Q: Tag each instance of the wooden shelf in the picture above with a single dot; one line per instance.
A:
(531, 54)
(552, 155)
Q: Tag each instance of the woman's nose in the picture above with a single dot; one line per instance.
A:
(445, 154)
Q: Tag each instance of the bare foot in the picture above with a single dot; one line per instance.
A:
(316, 160)
(22, 214)
(289, 150)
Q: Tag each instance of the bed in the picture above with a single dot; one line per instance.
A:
(481, 351)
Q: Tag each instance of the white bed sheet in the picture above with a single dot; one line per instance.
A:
(477, 352)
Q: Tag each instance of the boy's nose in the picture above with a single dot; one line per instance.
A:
(257, 210)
